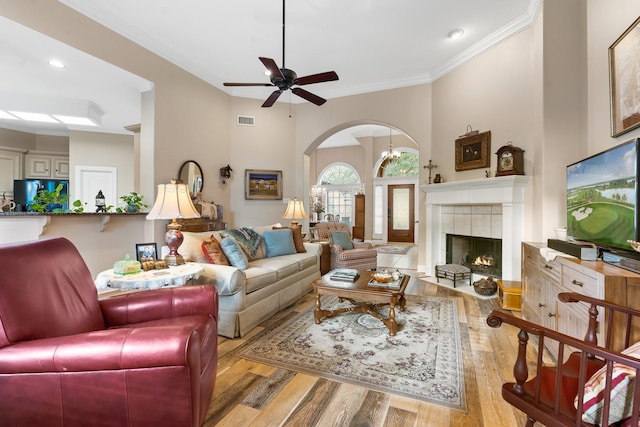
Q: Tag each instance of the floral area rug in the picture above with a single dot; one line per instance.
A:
(423, 361)
(393, 249)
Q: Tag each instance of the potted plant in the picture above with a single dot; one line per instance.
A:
(50, 201)
(134, 203)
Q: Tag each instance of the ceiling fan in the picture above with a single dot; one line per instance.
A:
(284, 78)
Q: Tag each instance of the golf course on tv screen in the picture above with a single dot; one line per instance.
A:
(601, 197)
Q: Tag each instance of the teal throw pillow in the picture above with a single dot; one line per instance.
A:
(342, 239)
(234, 253)
(279, 242)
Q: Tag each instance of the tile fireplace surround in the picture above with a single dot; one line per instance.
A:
(490, 207)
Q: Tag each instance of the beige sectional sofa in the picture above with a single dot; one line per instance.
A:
(249, 297)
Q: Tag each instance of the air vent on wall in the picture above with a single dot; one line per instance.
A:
(246, 121)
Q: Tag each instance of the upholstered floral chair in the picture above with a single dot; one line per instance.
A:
(345, 253)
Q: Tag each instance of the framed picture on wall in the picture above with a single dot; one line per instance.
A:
(262, 184)
(472, 151)
(624, 80)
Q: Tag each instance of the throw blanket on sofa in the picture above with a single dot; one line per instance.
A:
(246, 237)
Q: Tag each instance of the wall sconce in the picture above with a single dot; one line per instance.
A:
(225, 173)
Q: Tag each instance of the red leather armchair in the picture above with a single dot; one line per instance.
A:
(67, 359)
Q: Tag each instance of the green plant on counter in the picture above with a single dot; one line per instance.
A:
(50, 201)
(78, 207)
(134, 203)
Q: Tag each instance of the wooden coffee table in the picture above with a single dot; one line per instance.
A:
(364, 298)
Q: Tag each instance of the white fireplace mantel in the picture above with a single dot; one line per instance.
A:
(507, 191)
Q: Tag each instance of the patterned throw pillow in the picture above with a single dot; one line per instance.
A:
(298, 240)
(622, 383)
(234, 254)
(213, 251)
(247, 238)
(342, 239)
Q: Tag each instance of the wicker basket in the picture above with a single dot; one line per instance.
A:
(486, 286)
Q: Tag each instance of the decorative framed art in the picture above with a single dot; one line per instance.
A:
(624, 80)
(262, 184)
(472, 150)
(146, 252)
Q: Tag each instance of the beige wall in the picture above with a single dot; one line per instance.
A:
(29, 141)
(105, 150)
(545, 89)
(606, 21)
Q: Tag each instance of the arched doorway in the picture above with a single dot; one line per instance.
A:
(364, 155)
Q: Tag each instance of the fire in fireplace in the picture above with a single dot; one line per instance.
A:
(481, 254)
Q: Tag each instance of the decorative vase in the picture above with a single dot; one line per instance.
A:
(132, 209)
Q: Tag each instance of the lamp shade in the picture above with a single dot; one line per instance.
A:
(295, 210)
(173, 201)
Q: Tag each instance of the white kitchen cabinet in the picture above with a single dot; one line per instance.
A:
(10, 169)
(46, 166)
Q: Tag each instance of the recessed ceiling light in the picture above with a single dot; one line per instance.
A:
(56, 63)
(455, 34)
(267, 72)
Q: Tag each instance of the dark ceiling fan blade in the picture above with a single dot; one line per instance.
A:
(272, 98)
(271, 65)
(316, 78)
(308, 96)
(247, 84)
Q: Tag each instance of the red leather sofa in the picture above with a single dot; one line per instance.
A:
(67, 359)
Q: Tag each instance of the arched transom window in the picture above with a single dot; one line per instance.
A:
(339, 182)
(405, 165)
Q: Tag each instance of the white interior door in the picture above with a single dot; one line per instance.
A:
(91, 179)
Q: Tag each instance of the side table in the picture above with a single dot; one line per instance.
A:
(174, 276)
(325, 257)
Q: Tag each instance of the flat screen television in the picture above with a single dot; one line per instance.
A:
(25, 190)
(602, 197)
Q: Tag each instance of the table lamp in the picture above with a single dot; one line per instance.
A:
(173, 201)
(295, 211)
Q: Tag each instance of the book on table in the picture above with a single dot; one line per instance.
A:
(345, 275)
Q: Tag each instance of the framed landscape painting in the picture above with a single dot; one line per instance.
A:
(624, 80)
(262, 184)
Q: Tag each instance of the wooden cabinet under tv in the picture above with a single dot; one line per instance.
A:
(543, 280)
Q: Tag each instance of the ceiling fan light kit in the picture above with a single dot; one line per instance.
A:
(284, 78)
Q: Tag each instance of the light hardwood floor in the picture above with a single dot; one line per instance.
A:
(253, 394)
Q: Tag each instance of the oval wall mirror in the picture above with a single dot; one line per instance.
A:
(191, 174)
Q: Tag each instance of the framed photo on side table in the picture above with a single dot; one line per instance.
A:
(146, 252)
(262, 184)
(624, 80)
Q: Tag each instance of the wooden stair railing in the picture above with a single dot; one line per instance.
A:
(549, 396)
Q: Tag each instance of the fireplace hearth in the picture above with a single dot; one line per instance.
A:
(486, 207)
(481, 254)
